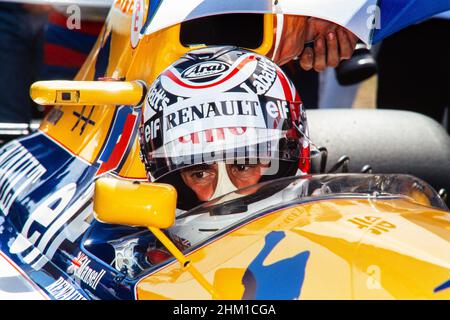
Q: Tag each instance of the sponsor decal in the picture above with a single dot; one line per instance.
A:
(211, 110)
(278, 109)
(264, 76)
(157, 98)
(191, 116)
(19, 170)
(137, 22)
(152, 130)
(64, 290)
(219, 134)
(82, 119)
(375, 225)
(203, 125)
(205, 70)
(52, 223)
(222, 143)
(48, 194)
(81, 270)
(241, 71)
(200, 113)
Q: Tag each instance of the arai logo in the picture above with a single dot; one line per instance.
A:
(205, 70)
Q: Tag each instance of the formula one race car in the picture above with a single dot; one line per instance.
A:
(78, 215)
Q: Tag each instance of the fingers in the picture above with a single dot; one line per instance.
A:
(332, 44)
(345, 45)
(326, 45)
(307, 59)
(320, 53)
(353, 40)
(315, 58)
(311, 30)
(332, 50)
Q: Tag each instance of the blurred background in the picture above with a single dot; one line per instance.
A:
(47, 41)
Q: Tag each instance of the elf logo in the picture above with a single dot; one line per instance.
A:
(205, 70)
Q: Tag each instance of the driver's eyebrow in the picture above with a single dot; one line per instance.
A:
(245, 164)
(248, 162)
(198, 167)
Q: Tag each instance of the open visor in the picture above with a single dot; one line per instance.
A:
(235, 128)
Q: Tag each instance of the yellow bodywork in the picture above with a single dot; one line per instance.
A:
(358, 249)
(151, 204)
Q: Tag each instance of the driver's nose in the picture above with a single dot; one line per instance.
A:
(224, 183)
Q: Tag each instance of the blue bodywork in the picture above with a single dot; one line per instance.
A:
(46, 217)
(398, 14)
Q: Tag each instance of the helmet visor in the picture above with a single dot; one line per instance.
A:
(235, 127)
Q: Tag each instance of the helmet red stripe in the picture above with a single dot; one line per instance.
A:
(174, 78)
(285, 85)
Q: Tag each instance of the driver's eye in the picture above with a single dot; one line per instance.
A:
(242, 167)
(201, 176)
(198, 174)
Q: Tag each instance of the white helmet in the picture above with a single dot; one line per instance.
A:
(222, 105)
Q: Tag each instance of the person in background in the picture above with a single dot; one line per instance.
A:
(21, 47)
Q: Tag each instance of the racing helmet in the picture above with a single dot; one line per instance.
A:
(222, 104)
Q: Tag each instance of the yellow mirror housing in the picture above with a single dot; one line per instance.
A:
(79, 93)
(135, 204)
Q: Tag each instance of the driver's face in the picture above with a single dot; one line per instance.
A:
(202, 179)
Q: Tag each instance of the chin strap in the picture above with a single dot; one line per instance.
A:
(224, 184)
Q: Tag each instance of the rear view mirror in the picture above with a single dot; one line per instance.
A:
(140, 204)
(135, 204)
(79, 93)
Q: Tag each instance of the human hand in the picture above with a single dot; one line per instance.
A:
(332, 44)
